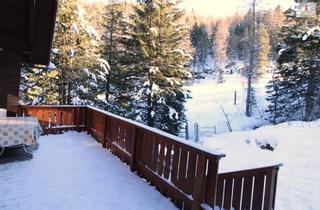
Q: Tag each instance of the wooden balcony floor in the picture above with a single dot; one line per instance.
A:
(71, 171)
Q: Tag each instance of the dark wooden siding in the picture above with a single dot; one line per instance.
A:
(27, 27)
(10, 64)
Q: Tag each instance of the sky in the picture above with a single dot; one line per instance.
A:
(220, 8)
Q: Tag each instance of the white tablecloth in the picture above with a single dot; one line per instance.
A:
(19, 130)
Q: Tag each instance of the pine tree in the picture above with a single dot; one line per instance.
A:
(74, 54)
(115, 89)
(237, 39)
(294, 92)
(159, 64)
(221, 34)
(201, 43)
(263, 51)
(38, 86)
(276, 22)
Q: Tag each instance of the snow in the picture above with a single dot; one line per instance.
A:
(3, 112)
(154, 31)
(72, 171)
(310, 31)
(86, 71)
(173, 114)
(55, 50)
(296, 146)
(74, 28)
(51, 66)
(93, 33)
(104, 65)
(210, 100)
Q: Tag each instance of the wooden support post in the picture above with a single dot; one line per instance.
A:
(133, 148)
(199, 183)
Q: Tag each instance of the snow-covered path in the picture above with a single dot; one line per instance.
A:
(72, 171)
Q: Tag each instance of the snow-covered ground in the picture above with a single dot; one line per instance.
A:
(72, 171)
(296, 146)
(211, 100)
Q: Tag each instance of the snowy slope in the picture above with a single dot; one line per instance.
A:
(210, 100)
(296, 146)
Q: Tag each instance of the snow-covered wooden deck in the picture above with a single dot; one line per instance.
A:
(72, 171)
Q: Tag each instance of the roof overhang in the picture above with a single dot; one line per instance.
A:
(27, 27)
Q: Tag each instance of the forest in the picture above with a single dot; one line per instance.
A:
(133, 59)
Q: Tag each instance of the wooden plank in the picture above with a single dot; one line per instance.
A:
(133, 151)
(143, 156)
(167, 162)
(258, 191)
(175, 164)
(220, 192)
(191, 172)
(148, 151)
(247, 192)
(227, 194)
(161, 157)
(155, 153)
(269, 190)
(128, 137)
(104, 131)
(179, 195)
(46, 118)
(183, 169)
(199, 183)
(237, 190)
(211, 182)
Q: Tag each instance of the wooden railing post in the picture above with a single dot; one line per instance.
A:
(270, 189)
(105, 130)
(199, 183)
(88, 121)
(133, 148)
(76, 118)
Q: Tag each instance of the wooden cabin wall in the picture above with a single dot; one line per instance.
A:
(10, 66)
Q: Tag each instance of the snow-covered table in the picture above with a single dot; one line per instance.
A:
(15, 131)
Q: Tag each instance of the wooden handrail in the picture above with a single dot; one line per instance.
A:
(250, 171)
(181, 170)
(248, 189)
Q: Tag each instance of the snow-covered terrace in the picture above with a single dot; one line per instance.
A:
(72, 171)
(82, 171)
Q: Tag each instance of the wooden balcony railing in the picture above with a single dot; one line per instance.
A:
(182, 171)
(249, 189)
